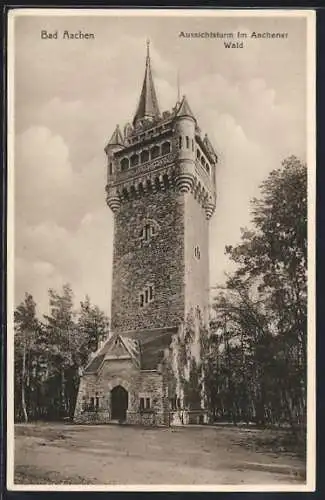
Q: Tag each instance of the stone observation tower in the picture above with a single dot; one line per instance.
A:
(161, 187)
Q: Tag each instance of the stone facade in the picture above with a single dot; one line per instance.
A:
(137, 262)
(161, 176)
(121, 373)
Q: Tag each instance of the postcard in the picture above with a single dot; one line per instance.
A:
(161, 250)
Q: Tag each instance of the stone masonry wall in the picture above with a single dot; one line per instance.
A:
(160, 262)
(119, 372)
(196, 266)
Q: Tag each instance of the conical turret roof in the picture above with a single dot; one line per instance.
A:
(117, 138)
(148, 103)
(184, 109)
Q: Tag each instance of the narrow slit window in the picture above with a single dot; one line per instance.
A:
(150, 293)
(141, 403)
(147, 232)
(187, 142)
(141, 300)
(147, 403)
(146, 296)
(180, 142)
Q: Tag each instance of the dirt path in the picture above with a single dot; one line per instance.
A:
(69, 454)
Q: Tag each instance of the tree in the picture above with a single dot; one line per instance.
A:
(93, 325)
(264, 302)
(61, 343)
(50, 353)
(26, 327)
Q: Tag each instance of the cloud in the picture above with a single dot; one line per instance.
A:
(63, 228)
(47, 256)
(69, 97)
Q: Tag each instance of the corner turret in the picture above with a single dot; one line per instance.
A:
(115, 144)
(185, 131)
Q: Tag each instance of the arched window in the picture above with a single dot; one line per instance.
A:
(149, 231)
(187, 142)
(134, 160)
(155, 152)
(124, 164)
(144, 156)
(147, 295)
(165, 148)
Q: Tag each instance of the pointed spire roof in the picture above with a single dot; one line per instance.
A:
(184, 109)
(117, 138)
(148, 103)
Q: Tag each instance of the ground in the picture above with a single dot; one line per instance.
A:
(113, 454)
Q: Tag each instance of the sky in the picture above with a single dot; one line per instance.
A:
(70, 94)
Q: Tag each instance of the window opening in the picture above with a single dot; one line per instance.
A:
(165, 149)
(146, 296)
(155, 152)
(197, 252)
(124, 164)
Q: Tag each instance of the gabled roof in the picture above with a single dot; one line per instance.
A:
(145, 348)
(117, 138)
(148, 102)
(184, 109)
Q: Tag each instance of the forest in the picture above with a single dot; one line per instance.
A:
(255, 354)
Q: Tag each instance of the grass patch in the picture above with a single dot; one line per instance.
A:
(277, 442)
(27, 474)
(39, 430)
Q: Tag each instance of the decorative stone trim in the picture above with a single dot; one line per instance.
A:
(113, 202)
(185, 183)
(209, 209)
(148, 166)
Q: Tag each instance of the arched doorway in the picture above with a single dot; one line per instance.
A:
(119, 402)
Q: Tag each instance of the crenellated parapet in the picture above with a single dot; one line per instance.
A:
(161, 174)
(162, 153)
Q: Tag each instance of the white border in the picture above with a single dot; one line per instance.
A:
(310, 15)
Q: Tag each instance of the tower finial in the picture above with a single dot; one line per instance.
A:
(148, 49)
